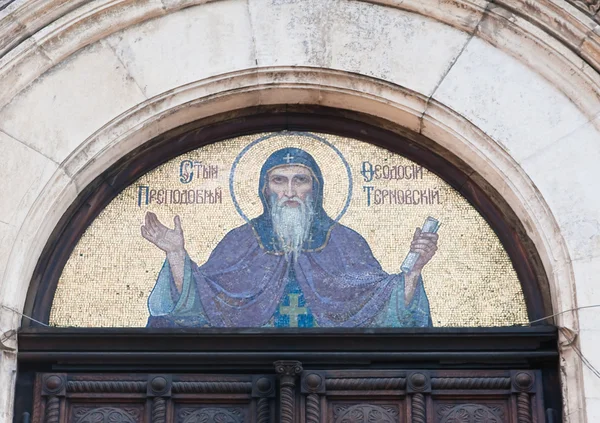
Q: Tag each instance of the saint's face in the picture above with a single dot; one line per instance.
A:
(289, 182)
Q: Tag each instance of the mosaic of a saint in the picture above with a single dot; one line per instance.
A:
(292, 266)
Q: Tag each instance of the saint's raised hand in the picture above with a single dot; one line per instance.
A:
(424, 243)
(168, 240)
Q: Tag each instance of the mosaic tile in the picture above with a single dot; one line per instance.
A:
(359, 206)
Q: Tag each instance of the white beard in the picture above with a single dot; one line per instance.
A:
(292, 224)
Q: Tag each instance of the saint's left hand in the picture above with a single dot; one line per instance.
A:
(424, 243)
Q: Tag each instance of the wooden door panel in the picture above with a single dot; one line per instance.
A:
(465, 396)
(222, 413)
(156, 398)
(483, 411)
(105, 413)
(292, 395)
(383, 411)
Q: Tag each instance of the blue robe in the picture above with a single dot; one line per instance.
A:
(242, 285)
(335, 281)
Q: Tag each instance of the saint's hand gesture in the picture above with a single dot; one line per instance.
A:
(169, 240)
(424, 243)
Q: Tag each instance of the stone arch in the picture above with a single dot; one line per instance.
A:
(97, 194)
(448, 128)
(553, 41)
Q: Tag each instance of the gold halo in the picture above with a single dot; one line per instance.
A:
(247, 173)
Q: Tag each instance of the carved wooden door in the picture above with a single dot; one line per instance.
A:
(155, 398)
(292, 394)
(421, 396)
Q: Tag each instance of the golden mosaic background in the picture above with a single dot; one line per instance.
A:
(469, 282)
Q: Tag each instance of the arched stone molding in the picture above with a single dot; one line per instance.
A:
(297, 86)
(551, 36)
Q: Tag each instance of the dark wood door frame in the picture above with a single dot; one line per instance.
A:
(293, 394)
(432, 372)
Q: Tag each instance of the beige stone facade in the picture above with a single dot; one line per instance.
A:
(512, 87)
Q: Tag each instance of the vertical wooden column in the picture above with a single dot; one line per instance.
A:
(418, 384)
(523, 386)
(263, 388)
(54, 387)
(288, 370)
(159, 389)
(313, 384)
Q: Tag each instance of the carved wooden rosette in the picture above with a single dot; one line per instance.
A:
(523, 386)
(54, 388)
(288, 371)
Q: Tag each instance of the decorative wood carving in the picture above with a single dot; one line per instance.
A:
(418, 408)
(313, 382)
(96, 386)
(338, 396)
(159, 386)
(287, 370)
(287, 403)
(313, 408)
(418, 382)
(52, 409)
(106, 415)
(523, 408)
(469, 413)
(470, 383)
(159, 410)
(263, 410)
(263, 386)
(210, 415)
(523, 381)
(365, 413)
(212, 387)
(53, 387)
(365, 384)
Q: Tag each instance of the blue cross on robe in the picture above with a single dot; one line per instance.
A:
(292, 311)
